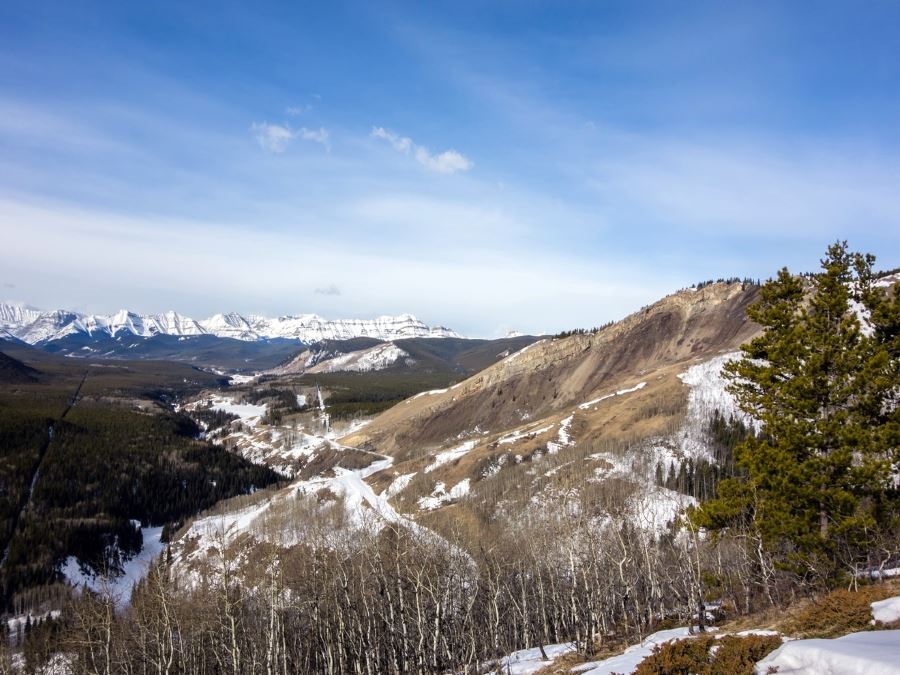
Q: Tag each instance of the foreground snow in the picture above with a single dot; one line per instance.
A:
(628, 661)
(869, 653)
(887, 611)
(528, 661)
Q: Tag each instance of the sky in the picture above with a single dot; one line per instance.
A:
(488, 166)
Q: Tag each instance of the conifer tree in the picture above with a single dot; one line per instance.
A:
(819, 485)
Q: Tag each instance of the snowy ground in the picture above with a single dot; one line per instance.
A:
(528, 661)
(628, 661)
(247, 412)
(119, 586)
(708, 393)
(450, 455)
(563, 439)
(869, 653)
(886, 611)
(440, 495)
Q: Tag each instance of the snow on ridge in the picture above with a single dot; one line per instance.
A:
(524, 349)
(35, 326)
(379, 357)
(430, 392)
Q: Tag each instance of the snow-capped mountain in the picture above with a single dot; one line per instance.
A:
(35, 326)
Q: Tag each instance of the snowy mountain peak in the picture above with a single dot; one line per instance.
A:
(35, 326)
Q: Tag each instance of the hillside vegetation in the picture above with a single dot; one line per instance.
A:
(585, 491)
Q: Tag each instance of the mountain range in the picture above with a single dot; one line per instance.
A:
(39, 327)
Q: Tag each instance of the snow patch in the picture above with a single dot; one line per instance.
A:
(628, 661)
(450, 455)
(869, 653)
(378, 357)
(398, 485)
(708, 393)
(562, 440)
(440, 495)
(121, 585)
(886, 611)
(526, 432)
(591, 404)
(528, 661)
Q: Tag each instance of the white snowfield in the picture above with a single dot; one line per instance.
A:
(35, 326)
(250, 413)
(868, 653)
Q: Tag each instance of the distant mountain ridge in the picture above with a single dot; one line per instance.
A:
(38, 327)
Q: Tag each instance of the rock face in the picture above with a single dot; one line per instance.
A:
(37, 327)
(554, 375)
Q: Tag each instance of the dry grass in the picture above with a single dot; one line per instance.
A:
(838, 613)
(563, 665)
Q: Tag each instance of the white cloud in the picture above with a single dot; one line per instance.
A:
(276, 138)
(319, 135)
(271, 137)
(449, 161)
(469, 293)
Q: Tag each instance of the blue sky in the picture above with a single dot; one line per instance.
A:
(488, 166)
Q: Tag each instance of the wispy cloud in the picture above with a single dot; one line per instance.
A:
(328, 290)
(276, 137)
(449, 161)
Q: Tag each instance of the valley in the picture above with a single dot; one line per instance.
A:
(428, 502)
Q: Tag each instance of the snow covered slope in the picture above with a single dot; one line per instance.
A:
(35, 326)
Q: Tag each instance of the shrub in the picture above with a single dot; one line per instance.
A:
(737, 655)
(838, 613)
(681, 657)
(705, 655)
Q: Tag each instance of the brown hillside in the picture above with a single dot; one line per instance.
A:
(552, 376)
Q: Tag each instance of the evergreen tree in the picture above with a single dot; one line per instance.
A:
(819, 486)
